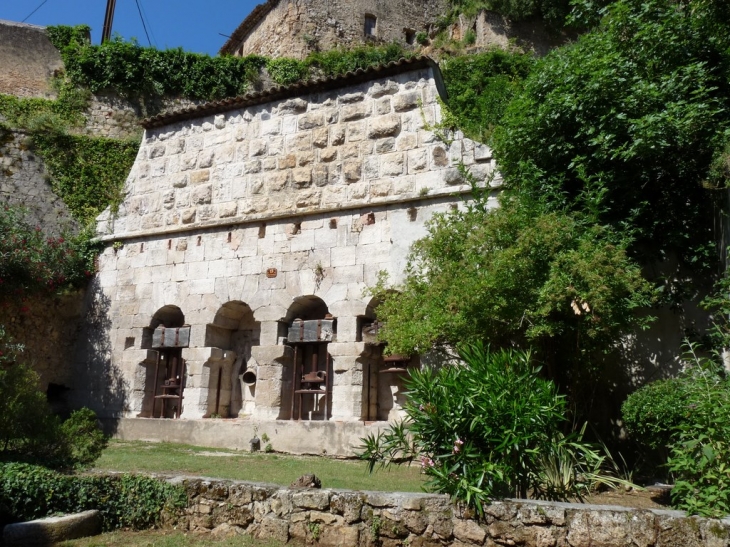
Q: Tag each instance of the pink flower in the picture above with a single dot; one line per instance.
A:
(458, 443)
(426, 462)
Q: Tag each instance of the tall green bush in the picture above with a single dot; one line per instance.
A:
(488, 426)
(29, 431)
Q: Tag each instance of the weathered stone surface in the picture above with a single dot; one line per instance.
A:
(52, 530)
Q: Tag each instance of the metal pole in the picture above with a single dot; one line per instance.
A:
(106, 31)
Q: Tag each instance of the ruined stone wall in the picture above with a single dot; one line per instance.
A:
(348, 519)
(295, 28)
(494, 30)
(28, 60)
(24, 181)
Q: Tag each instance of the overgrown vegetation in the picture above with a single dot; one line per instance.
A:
(487, 426)
(29, 492)
(481, 86)
(32, 262)
(87, 172)
(29, 431)
(589, 197)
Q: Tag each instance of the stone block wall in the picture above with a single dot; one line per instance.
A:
(348, 519)
(282, 209)
(24, 181)
(49, 329)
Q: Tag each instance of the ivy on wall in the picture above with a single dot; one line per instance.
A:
(87, 172)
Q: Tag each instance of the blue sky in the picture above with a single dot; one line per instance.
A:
(192, 25)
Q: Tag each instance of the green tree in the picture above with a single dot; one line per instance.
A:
(516, 276)
(628, 122)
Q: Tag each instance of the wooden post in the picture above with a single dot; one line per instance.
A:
(106, 31)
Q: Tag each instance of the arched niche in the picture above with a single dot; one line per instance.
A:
(383, 394)
(235, 331)
(169, 316)
(302, 399)
(168, 363)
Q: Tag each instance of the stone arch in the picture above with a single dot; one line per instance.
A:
(233, 332)
(169, 316)
(307, 358)
(383, 390)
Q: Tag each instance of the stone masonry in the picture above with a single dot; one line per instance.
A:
(345, 518)
(295, 28)
(243, 215)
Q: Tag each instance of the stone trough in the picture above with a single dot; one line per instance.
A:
(52, 530)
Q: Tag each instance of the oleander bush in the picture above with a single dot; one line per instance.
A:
(487, 426)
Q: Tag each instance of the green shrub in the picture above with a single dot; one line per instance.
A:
(134, 70)
(487, 426)
(700, 456)
(339, 61)
(652, 413)
(84, 440)
(286, 71)
(422, 38)
(480, 87)
(125, 501)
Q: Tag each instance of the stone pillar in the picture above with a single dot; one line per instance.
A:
(202, 366)
(347, 385)
(273, 381)
(141, 395)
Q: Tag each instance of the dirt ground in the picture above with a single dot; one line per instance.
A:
(650, 498)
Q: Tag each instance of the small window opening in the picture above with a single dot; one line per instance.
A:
(410, 35)
(141, 247)
(370, 25)
(169, 244)
(333, 223)
(129, 342)
(412, 214)
(368, 219)
(229, 237)
(262, 231)
(297, 228)
(200, 238)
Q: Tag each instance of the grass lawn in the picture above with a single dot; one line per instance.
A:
(166, 538)
(144, 457)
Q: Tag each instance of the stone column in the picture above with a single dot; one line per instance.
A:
(202, 365)
(347, 385)
(141, 395)
(273, 381)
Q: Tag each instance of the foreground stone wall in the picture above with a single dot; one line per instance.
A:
(346, 518)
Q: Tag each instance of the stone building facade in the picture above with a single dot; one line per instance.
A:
(244, 215)
(295, 28)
